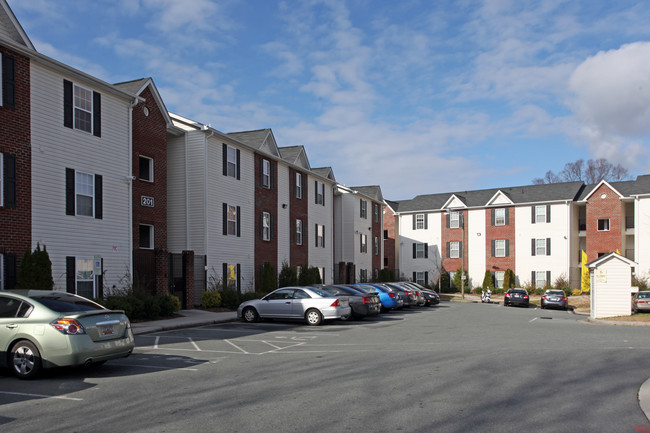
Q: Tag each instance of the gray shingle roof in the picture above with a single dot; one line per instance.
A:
(372, 191)
(252, 138)
(132, 86)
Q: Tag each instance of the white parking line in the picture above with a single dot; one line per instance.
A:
(58, 397)
(236, 347)
(196, 346)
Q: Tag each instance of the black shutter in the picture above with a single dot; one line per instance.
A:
(316, 233)
(9, 180)
(532, 278)
(225, 219)
(323, 240)
(493, 220)
(461, 249)
(97, 114)
(69, 191)
(532, 217)
(10, 271)
(316, 191)
(270, 226)
(414, 250)
(67, 104)
(238, 170)
(532, 247)
(414, 218)
(426, 278)
(548, 213)
(507, 248)
(238, 277)
(426, 250)
(238, 221)
(8, 81)
(494, 248)
(448, 252)
(99, 197)
(415, 276)
(426, 221)
(548, 277)
(507, 212)
(448, 217)
(70, 272)
(100, 282)
(548, 246)
(323, 202)
(225, 158)
(225, 275)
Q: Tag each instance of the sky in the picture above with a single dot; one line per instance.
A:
(417, 96)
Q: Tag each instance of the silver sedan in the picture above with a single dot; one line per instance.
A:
(306, 303)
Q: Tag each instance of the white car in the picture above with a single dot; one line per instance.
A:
(307, 303)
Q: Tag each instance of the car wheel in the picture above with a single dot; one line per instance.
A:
(250, 315)
(25, 360)
(313, 317)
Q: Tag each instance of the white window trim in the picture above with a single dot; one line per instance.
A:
(151, 238)
(364, 208)
(376, 245)
(375, 208)
(266, 173)
(150, 168)
(499, 276)
(76, 276)
(598, 225)
(540, 247)
(537, 279)
(299, 238)
(540, 217)
(499, 220)
(363, 239)
(419, 278)
(499, 245)
(229, 220)
(266, 226)
(454, 220)
(75, 107)
(419, 221)
(299, 185)
(77, 194)
(419, 251)
(454, 250)
(231, 161)
(227, 276)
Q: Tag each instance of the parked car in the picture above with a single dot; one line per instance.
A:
(45, 329)
(305, 303)
(641, 302)
(417, 290)
(516, 297)
(362, 303)
(431, 297)
(410, 299)
(554, 299)
(389, 299)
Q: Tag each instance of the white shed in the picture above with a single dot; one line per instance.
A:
(611, 286)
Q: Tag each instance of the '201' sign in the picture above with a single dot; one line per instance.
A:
(146, 201)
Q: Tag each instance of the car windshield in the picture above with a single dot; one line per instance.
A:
(66, 304)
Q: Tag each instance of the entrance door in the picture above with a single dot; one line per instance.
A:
(177, 277)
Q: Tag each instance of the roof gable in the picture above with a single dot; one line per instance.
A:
(325, 172)
(11, 28)
(261, 139)
(295, 155)
(454, 202)
(601, 183)
(136, 88)
(607, 257)
(500, 198)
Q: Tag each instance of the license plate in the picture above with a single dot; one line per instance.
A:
(107, 331)
(555, 299)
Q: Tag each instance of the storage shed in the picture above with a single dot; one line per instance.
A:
(611, 286)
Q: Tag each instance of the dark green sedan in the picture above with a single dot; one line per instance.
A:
(45, 329)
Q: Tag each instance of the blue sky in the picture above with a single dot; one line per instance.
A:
(415, 96)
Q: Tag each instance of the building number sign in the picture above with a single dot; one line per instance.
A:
(146, 201)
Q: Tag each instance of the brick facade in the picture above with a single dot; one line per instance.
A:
(389, 239)
(298, 209)
(378, 234)
(266, 200)
(453, 235)
(150, 141)
(604, 204)
(503, 232)
(15, 145)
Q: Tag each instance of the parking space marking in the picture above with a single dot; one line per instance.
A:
(58, 397)
(235, 346)
(196, 346)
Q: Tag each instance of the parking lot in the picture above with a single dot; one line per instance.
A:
(450, 368)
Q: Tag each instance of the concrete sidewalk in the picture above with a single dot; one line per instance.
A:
(186, 319)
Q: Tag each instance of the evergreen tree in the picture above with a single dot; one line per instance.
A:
(288, 276)
(488, 281)
(35, 272)
(268, 282)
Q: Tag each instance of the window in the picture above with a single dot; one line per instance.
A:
(320, 235)
(541, 214)
(603, 225)
(376, 245)
(232, 161)
(232, 276)
(420, 251)
(146, 236)
(363, 206)
(540, 278)
(81, 108)
(266, 226)
(363, 275)
(375, 212)
(498, 279)
(419, 221)
(499, 217)
(385, 234)
(454, 220)
(85, 278)
(266, 173)
(7, 81)
(232, 220)
(363, 239)
(145, 169)
(420, 278)
(500, 248)
(298, 186)
(541, 247)
(84, 193)
(320, 192)
(454, 250)
(298, 232)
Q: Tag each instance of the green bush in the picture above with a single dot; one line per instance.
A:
(252, 295)
(488, 281)
(268, 277)
(140, 305)
(211, 299)
(230, 299)
(35, 272)
(288, 276)
(169, 304)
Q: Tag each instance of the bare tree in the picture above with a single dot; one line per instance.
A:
(591, 172)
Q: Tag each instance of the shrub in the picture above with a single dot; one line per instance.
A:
(458, 282)
(445, 286)
(488, 281)
(230, 298)
(386, 276)
(211, 299)
(268, 281)
(138, 304)
(498, 291)
(288, 276)
(169, 304)
(508, 279)
(576, 292)
(640, 282)
(252, 295)
(35, 272)
(539, 291)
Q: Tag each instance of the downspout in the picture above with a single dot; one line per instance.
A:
(205, 190)
(130, 179)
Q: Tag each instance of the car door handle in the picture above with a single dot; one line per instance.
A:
(288, 302)
(12, 326)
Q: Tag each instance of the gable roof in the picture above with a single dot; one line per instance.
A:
(11, 28)
(136, 87)
(260, 139)
(325, 172)
(295, 155)
(610, 256)
(373, 192)
(627, 188)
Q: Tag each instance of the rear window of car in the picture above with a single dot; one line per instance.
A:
(644, 295)
(66, 304)
(323, 292)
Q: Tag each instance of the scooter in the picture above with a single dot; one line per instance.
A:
(485, 296)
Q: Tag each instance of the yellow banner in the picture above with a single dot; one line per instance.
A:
(585, 283)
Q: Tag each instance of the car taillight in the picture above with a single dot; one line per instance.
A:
(417, 293)
(335, 304)
(563, 299)
(392, 295)
(365, 299)
(525, 296)
(507, 295)
(68, 326)
(544, 297)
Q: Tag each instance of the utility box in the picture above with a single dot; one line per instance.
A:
(611, 286)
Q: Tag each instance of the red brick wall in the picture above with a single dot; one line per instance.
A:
(150, 140)
(15, 139)
(298, 254)
(600, 208)
(453, 235)
(498, 233)
(266, 200)
(377, 231)
(389, 243)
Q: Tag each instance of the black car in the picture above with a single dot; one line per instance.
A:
(362, 303)
(430, 296)
(516, 297)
